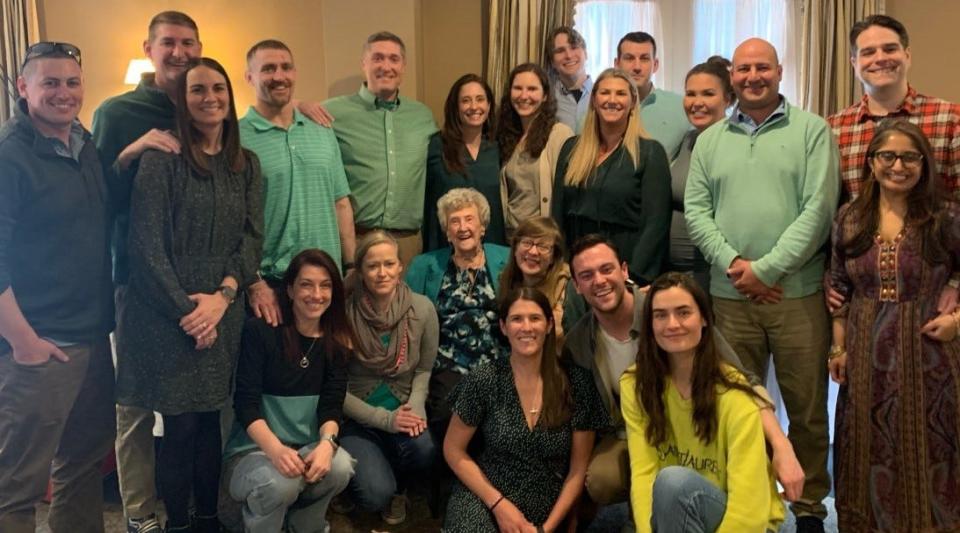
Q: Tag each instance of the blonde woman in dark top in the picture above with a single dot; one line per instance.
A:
(397, 335)
(614, 180)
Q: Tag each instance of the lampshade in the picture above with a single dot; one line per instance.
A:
(135, 69)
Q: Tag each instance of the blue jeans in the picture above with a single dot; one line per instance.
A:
(384, 462)
(267, 494)
(685, 502)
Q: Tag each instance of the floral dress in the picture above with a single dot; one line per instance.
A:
(469, 321)
(897, 458)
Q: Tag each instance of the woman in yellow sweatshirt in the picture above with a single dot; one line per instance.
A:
(697, 455)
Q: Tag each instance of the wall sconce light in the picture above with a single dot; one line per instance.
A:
(136, 69)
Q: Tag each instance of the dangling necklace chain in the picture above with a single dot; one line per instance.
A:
(304, 361)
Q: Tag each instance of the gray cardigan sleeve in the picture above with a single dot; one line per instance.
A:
(368, 415)
(429, 343)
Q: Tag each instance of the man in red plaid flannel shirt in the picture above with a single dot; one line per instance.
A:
(880, 49)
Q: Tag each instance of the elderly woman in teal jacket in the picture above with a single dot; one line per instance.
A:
(462, 282)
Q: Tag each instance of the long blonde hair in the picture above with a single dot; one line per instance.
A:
(583, 158)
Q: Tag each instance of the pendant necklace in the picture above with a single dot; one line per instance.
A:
(304, 362)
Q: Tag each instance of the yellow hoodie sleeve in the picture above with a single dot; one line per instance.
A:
(644, 462)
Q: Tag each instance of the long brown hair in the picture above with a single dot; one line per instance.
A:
(338, 338)
(454, 151)
(925, 202)
(557, 398)
(191, 137)
(653, 367)
(537, 228)
(509, 126)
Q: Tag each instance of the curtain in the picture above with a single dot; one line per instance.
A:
(604, 22)
(18, 27)
(719, 26)
(516, 34)
(689, 31)
(827, 82)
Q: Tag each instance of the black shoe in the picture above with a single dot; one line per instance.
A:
(206, 524)
(809, 524)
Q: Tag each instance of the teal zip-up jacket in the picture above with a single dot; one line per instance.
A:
(768, 196)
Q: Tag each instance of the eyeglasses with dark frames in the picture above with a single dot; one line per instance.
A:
(889, 157)
(51, 48)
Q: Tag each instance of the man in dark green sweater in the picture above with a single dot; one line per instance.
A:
(124, 127)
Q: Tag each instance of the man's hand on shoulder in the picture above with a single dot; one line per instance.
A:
(154, 139)
(316, 112)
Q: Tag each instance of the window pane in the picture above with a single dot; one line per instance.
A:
(603, 22)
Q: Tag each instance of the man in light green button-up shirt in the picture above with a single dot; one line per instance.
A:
(383, 140)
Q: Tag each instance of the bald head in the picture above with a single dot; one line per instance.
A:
(756, 46)
(756, 78)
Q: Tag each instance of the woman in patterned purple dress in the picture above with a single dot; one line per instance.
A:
(897, 358)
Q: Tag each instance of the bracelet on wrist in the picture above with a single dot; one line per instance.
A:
(496, 503)
(835, 351)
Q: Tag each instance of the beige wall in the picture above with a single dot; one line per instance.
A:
(932, 25)
(326, 37)
(451, 37)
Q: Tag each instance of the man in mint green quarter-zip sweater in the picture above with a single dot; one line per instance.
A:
(760, 197)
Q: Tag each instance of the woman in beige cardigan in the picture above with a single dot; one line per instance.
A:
(530, 138)
(397, 334)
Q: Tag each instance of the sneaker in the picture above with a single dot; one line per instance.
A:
(342, 505)
(809, 524)
(148, 524)
(397, 512)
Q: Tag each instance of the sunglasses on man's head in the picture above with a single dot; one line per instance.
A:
(50, 48)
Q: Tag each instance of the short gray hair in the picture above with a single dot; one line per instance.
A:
(460, 198)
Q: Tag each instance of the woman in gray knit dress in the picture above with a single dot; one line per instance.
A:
(196, 224)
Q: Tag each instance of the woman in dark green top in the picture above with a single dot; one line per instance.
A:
(464, 154)
(614, 180)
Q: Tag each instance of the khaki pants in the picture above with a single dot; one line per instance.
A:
(796, 331)
(60, 414)
(136, 462)
(409, 241)
(608, 474)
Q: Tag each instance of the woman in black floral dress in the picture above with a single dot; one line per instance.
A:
(537, 418)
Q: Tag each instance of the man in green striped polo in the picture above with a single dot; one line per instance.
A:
(307, 198)
(383, 139)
